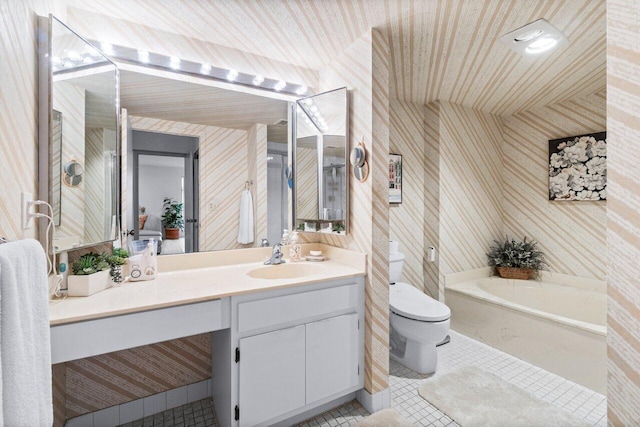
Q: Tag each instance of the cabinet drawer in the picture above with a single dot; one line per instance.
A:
(100, 336)
(287, 309)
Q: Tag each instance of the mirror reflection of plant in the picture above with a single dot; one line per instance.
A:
(338, 227)
(90, 263)
(172, 214)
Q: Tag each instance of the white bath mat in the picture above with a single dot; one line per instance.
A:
(474, 397)
(386, 418)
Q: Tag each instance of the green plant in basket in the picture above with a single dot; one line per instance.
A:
(517, 259)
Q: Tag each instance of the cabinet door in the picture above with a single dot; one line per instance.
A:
(331, 356)
(272, 379)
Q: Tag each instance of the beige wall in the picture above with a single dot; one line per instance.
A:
(571, 234)
(623, 214)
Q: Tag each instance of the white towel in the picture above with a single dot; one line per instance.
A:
(25, 346)
(245, 230)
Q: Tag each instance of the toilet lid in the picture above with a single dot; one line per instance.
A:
(407, 301)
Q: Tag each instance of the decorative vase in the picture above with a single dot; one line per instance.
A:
(516, 273)
(141, 220)
(83, 286)
(116, 275)
(172, 233)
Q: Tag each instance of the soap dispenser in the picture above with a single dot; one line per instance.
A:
(294, 248)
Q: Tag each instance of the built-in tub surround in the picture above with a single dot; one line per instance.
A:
(558, 323)
(199, 278)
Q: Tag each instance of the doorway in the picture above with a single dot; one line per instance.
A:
(165, 166)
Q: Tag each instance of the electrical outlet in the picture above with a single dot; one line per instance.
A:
(25, 210)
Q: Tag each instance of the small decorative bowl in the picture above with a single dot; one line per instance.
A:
(315, 253)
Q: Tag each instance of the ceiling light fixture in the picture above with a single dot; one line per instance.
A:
(534, 38)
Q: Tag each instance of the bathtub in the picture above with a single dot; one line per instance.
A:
(558, 323)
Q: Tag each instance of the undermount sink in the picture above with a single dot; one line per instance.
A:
(285, 271)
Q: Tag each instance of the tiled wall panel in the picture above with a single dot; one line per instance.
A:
(571, 234)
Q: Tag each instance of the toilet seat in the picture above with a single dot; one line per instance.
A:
(409, 302)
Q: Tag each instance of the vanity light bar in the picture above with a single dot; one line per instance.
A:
(156, 60)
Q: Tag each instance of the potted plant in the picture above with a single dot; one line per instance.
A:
(116, 260)
(517, 259)
(90, 274)
(172, 218)
(142, 218)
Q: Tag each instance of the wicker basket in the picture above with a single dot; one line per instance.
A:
(516, 273)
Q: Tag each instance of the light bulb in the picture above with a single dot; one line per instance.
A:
(143, 56)
(174, 62)
(205, 68)
(107, 48)
(258, 79)
(302, 90)
(231, 75)
(280, 85)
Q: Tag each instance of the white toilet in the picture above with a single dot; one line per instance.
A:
(418, 322)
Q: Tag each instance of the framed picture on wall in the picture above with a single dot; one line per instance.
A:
(578, 167)
(395, 178)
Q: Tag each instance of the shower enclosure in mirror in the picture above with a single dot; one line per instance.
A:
(78, 137)
(321, 187)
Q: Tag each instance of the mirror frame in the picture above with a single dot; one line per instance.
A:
(347, 145)
(45, 126)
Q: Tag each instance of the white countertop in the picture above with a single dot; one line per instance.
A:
(188, 286)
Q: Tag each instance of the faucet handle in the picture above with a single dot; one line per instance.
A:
(277, 248)
(264, 243)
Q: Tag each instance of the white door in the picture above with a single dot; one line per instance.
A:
(272, 379)
(332, 356)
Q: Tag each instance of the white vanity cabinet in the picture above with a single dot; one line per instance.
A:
(293, 350)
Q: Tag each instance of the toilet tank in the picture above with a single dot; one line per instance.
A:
(396, 261)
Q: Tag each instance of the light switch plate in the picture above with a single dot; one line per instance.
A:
(24, 210)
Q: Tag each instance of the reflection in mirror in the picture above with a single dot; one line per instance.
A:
(321, 178)
(56, 164)
(236, 137)
(84, 90)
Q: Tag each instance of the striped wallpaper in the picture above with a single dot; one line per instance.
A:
(623, 214)
(571, 234)
(102, 381)
(471, 186)
(406, 220)
(363, 69)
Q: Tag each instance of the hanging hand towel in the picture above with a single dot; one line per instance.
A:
(25, 346)
(245, 232)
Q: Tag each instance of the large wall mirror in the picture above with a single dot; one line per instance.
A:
(320, 172)
(78, 137)
(203, 144)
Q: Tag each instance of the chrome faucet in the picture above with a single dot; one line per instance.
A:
(276, 256)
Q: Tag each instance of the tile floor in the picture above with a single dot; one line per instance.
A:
(460, 352)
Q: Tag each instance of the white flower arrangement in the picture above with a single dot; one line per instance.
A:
(578, 168)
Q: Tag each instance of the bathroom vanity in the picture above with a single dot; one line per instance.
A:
(286, 339)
